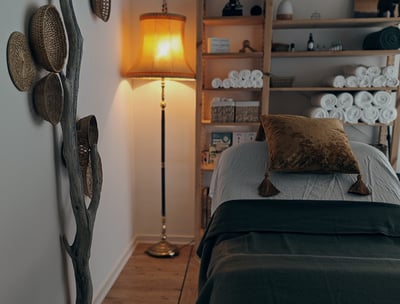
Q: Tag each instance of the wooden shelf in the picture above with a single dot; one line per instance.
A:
(237, 55)
(233, 20)
(328, 89)
(334, 23)
(229, 124)
(345, 53)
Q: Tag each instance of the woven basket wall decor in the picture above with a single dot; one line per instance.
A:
(48, 98)
(20, 62)
(48, 38)
(101, 8)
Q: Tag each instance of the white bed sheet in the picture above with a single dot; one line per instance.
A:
(241, 169)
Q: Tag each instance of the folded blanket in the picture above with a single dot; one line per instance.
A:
(370, 115)
(352, 114)
(316, 112)
(327, 100)
(382, 99)
(344, 100)
(385, 39)
(387, 115)
(352, 82)
(338, 81)
(363, 99)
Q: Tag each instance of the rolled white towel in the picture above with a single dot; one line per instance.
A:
(387, 115)
(338, 81)
(245, 74)
(392, 82)
(352, 114)
(344, 100)
(327, 100)
(379, 81)
(226, 83)
(216, 83)
(337, 113)
(351, 82)
(389, 71)
(317, 112)
(256, 74)
(258, 83)
(382, 99)
(363, 99)
(370, 115)
(234, 75)
(355, 70)
(364, 82)
(373, 71)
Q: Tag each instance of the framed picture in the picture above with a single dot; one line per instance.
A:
(376, 8)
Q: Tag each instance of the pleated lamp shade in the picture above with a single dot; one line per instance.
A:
(161, 51)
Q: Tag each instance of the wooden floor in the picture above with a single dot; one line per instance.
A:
(157, 281)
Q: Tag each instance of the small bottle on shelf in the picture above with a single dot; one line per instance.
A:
(310, 43)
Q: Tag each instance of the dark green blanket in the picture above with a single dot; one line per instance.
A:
(280, 252)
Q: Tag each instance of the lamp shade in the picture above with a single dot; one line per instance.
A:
(161, 51)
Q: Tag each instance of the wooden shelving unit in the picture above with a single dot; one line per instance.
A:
(263, 27)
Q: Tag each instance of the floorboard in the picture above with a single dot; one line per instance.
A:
(145, 279)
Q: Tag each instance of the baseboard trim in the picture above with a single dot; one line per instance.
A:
(104, 288)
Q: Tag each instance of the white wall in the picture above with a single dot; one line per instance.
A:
(34, 204)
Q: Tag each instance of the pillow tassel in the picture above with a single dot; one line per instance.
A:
(266, 188)
(359, 187)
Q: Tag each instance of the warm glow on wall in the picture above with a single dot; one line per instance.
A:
(162, 52)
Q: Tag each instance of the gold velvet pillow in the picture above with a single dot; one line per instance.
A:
(302, 144)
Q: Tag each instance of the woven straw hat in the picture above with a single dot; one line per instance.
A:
(48, 38)
(20, 62)
(48, 98)
(101, 8)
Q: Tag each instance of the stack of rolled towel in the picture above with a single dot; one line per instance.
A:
(240, 79)
(360, 76)
(363, 106)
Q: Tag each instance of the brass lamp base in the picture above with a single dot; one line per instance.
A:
(163, 249)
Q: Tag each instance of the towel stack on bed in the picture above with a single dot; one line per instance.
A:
(363, 106)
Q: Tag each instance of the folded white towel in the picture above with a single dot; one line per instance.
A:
(382, 99)
(327, 100)
(337, 113)
(387, 115)
(379, 81)
(389, 71)
(364, 82)
(373, 71)
(351, 82)
(216, 83)
(344, 100)
(370, 115)
(392, 82)
(338, 81)
(355, 70)
(363, 99)
(352, 114)
(316, 112)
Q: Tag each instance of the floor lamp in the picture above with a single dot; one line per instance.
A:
(162, 56)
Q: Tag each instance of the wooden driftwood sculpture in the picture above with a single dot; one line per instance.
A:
(84, 214)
